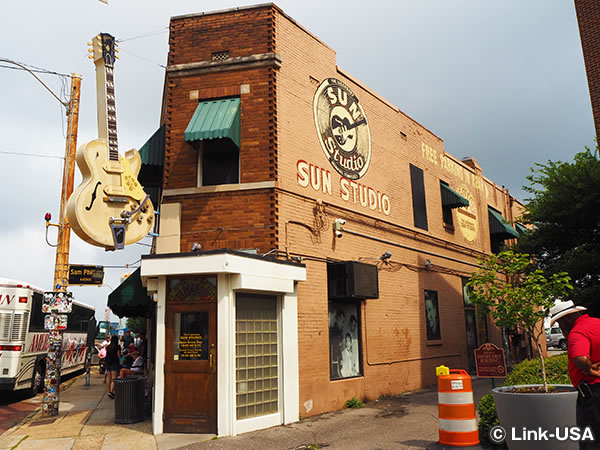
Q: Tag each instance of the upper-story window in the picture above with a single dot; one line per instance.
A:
(450, 200)
(214, 131)
(418, 197)
(500, 230)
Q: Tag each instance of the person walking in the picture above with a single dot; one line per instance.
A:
(111, 361)
(583, 350)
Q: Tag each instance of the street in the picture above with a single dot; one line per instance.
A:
(15, 406)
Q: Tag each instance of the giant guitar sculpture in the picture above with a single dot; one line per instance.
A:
(109, 208)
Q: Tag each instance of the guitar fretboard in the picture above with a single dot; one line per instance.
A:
(111, 115)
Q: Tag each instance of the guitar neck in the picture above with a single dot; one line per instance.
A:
(111, 115)
(105, 90)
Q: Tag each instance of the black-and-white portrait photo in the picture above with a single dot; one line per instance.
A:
(432, 316)
(343, 340)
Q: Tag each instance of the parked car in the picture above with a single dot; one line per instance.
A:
(555, 338)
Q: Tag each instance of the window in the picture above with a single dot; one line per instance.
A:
(37, 316)
(256, 355)
(344, 345)
(432, 316)
(418, 197)
(218, 162)
(79, 318)
(446, 210)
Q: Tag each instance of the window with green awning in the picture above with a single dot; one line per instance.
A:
(499, 226)
(215, 119)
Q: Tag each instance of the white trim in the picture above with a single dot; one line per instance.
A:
(225, 355)
(159, 370)
(257, 423)
(458, 425)
(290, 380)
(455, 398)
(221, 263)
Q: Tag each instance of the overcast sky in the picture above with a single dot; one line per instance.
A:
(502, 81)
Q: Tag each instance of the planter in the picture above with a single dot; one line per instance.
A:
(554, 412)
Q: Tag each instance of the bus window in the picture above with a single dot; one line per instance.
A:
(37, 317)
(102, 330)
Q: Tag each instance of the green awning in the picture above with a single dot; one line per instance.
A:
(215, 119)
(153, 151)
(130, 298)
(499, 227)
(451, 198)
(521, 229)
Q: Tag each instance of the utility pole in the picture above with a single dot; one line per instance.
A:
(61, 266)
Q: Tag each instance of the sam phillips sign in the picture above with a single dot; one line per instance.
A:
(86, 275)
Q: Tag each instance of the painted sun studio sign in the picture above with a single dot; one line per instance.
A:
(345, 138)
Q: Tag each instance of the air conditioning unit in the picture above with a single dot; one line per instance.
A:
(352, 280)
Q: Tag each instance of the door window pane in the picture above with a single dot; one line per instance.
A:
(191, 336)
(256, 356)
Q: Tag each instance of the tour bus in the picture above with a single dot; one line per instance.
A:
(24, 341)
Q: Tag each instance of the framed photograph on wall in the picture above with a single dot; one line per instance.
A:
(432, 316)
(344, 345)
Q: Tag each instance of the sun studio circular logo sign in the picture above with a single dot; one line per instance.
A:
(342, 128)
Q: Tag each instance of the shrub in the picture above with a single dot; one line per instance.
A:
(526, 372)
(354, 403)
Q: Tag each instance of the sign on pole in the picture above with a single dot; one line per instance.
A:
(490, 361)
(85, 275)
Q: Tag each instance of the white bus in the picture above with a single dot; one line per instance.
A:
(24, 341)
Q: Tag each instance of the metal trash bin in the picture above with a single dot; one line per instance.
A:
(129, 399)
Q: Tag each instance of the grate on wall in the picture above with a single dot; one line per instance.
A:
(220, 56)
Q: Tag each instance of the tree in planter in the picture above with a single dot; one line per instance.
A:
(515, 293)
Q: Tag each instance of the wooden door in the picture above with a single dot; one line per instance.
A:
(191, 368)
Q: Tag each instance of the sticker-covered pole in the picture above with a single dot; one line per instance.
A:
(56, 306)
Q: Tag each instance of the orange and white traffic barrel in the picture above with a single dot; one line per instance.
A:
(456, 409)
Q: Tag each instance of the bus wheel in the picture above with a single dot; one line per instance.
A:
(37, 381)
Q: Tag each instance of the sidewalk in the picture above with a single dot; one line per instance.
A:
(86, 421)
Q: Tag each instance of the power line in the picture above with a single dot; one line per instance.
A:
(32, 154)
(144, 35)
(145, 59)
(33, 69)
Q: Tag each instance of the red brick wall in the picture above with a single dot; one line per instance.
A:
(246, 32)
(247, 218)
(236, 220)
(588, 16)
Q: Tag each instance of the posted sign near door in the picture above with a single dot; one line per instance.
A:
(191, 346)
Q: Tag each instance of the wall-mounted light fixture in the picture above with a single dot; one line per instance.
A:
(427, 264)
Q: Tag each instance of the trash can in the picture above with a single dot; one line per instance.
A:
(129, 399)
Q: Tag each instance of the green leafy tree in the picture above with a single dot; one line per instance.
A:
(515, 293)
(565, 211)
(136, 324)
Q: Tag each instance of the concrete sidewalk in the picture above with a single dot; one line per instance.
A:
(86, 421)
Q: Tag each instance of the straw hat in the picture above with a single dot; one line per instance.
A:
(562, 309)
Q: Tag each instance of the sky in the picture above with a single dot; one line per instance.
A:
(502, 81)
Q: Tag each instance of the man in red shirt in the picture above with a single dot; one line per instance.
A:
(583, 334)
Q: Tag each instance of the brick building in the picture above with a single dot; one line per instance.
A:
(588, 18)
(349, 233)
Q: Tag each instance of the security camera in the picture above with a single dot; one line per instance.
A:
(337, 227)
